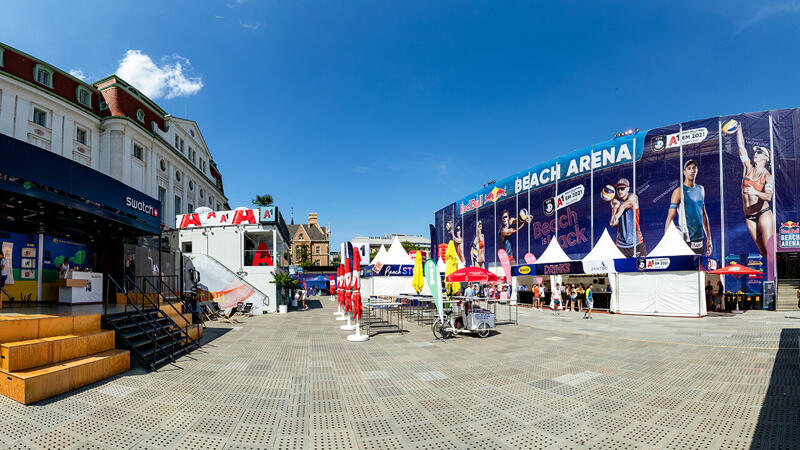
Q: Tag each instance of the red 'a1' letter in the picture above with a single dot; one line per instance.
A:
(262, 255)
(243, 215)
(190, 220)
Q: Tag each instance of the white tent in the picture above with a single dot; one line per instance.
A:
(600, 260)
(390, 285)
(672, 244)
(379, 256)
(553, 254)
(604, 249)
(396, 254)
(662, 293)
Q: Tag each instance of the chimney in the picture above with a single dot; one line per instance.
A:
(312, 219)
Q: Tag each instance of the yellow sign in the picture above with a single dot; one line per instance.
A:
(524, 270)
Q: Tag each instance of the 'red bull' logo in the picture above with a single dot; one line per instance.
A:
(790, 227)
(495, 194)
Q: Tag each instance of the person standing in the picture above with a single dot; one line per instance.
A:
(3, 278)
(556, 300)
(541, 297)
(720, 296)
(589, 303)
(709, 295)
(536, 296)
(304, 298)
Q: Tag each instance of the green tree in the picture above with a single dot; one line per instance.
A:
(409, 246)
(263, 200)
(336, 260)
(304, 256)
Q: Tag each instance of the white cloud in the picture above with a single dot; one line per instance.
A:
(769, 9)
(77, 73)
(219, 17)
(169, 79)
(250, 26)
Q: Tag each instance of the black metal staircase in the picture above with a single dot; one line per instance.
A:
(146, 330)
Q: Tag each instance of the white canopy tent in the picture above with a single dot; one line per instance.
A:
(662, 293)
(379, 256)
(600, 260)
(553, 254)
(390, 285)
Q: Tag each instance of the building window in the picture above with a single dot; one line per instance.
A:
(39, 117)
(177, 175)
(191, 185)
(138, 152)
(163, 165)
(103, 106)
(192, 131)
(162, 197)
(84, 96)
(177, 205)
(181, 145)
(80, 135)
(189, 208)
(202, 193)
(1, 56)
(177, 141)
(319, 249)
(140, 115)
(43, 75)
(300, 238)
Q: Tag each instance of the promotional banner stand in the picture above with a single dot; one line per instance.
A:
(340, 315)
(349, 326)
(358, 337)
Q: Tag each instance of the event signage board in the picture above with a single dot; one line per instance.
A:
(789, 235)
(266, 214)
(389, 270)
(717, 179)
(660, 264)
(242, 216)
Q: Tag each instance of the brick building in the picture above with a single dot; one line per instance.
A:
(314, 237)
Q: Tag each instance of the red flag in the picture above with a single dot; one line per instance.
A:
(355, 297)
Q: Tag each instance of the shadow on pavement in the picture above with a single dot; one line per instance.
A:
(779, 418)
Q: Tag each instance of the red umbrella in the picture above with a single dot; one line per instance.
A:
(333, 282)
(355, 297)
(340, 289)
(471, 274)
(736, 269)
(347, 276)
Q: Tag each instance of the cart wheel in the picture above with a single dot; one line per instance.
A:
(439, 331)
(483, 330)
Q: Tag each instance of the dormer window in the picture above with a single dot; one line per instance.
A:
(84, 96)
(192, 132)
(43, 75)
(1, 56)
(140, 115)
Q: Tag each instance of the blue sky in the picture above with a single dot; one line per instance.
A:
(376, 114)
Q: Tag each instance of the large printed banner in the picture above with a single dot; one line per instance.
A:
(219, 284)
(728, 183)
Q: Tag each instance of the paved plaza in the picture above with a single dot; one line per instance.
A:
(294, 382)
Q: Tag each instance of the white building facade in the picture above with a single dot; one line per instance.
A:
(110, 127)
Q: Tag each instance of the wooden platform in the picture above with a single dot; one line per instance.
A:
(44, 355)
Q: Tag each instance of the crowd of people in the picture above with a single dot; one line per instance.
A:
(565, 297)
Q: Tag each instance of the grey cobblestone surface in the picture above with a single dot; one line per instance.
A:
(295, 382)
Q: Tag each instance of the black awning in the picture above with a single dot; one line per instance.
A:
(46, 185)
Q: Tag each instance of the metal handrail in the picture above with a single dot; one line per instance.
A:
(141, 291)
(172, 321)
(144, 316)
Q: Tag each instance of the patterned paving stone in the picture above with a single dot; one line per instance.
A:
(294, 382)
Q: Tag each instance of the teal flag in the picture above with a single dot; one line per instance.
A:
(434, 282)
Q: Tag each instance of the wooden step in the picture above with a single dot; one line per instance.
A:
(21, 355)
(37, 326)
(31, 385)
(140, 299)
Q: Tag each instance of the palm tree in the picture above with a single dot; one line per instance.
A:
(284, 284)
(263, 200)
